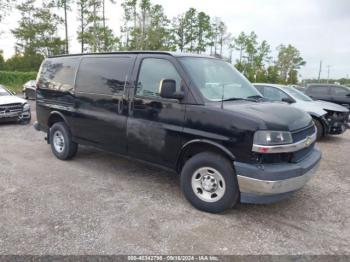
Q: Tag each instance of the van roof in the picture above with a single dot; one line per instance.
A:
(175, 54)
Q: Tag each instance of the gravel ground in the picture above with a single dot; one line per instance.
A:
(103, 204)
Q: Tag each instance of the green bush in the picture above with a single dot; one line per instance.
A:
(15, 80)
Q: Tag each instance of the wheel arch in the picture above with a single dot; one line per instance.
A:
(196, 146)
(55, 117)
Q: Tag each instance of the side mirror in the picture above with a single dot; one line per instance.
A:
(167, 89)
(288, 100)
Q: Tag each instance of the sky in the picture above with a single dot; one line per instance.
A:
(320, 29)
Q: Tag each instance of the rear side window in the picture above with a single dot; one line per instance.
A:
(103, 75)
(58, 73)
(319, 90)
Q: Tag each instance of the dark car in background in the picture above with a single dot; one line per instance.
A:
(193, 114)
(328, 92)
(13, 108)
(29, 89)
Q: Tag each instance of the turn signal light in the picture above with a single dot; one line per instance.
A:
(264, 149)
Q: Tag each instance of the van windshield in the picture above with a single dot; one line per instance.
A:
(217, 79)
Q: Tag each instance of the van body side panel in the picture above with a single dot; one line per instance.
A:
(235, 133)
(56, 89)
(101, 101)
(155, 124)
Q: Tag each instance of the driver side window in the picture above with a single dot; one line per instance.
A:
(152, 71)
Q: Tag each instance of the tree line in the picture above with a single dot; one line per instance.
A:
(145, 26)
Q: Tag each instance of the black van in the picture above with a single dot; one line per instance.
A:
(192, 114)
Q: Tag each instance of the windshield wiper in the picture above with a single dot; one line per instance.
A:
(249, 98)
(235, 99)
(257, 97)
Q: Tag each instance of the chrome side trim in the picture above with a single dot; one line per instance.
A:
(285, 148)
(266, 187)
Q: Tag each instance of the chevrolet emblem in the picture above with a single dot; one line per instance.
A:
(308, 141)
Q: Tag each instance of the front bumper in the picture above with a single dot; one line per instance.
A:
(338, 128)
(15, 116)
(272, 182)
(337, 125)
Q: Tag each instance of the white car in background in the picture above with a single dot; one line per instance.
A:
(13, 108)
(329, 118)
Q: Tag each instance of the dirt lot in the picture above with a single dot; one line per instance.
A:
(102, 204)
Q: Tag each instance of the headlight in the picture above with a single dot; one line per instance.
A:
(270, 138)
(26, 107)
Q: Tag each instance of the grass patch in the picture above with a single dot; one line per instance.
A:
(14, 80)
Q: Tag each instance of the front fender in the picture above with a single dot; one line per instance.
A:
(209, 143)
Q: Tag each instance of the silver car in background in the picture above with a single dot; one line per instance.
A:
(329, 118)
(13, 108)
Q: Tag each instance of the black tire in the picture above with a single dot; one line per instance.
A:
(69, 148)
(319, 129)
(231, 193)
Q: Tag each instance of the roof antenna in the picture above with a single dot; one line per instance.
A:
(223, 95)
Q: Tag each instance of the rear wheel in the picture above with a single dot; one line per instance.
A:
(319, 129)
(61, 141)
(209, 182)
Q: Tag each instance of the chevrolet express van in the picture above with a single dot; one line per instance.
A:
(195, 115)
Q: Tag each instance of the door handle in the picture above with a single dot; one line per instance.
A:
(131, 107)
(118, 100)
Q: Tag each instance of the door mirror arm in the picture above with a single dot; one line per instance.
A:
(179, 95)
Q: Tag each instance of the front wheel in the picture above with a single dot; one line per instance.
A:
(61, 141)
(209, 182)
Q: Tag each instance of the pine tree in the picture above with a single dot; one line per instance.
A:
(6, 6)
(37, 30)
(94, 34)
(83, 24)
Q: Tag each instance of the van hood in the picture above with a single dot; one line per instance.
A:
(4, 100)
(270, 115)
(318, 107)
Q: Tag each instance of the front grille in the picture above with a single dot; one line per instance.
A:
(17, 107)
(273, 158)
(292, 157)
(302, 134)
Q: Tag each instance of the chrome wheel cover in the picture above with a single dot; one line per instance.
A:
(58, 141)
(208, 184)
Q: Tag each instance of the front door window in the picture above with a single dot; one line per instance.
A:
(152, 71)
